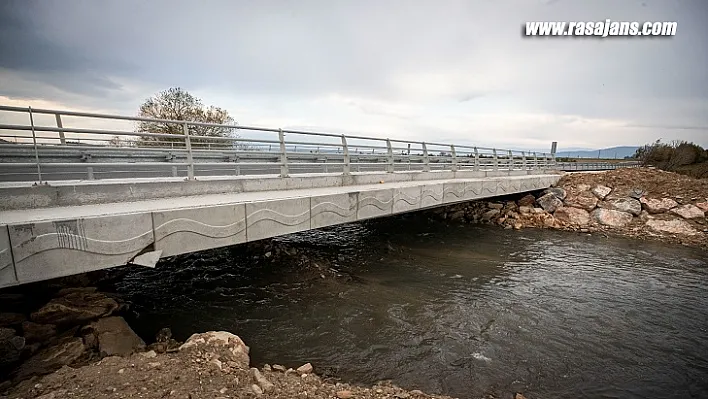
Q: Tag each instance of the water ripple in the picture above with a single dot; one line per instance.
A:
(460, 310)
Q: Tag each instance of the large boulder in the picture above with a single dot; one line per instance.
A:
(676, 226)
(611, 217)
(601, 191)
(50, 359)
(226, 348)
(574, 216)
(557, 191)
(11, 346)
(628, 205)
(585, 200)
(657, 205)
(115, 337)
(527, 200)
(549, 202)
(75, 308)
(35, 332)
(688, 211)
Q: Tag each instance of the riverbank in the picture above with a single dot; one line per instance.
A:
(640, 203)
(77, 345)
(209, 365)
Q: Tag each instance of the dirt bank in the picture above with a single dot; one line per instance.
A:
(634, 202)
(210, 365)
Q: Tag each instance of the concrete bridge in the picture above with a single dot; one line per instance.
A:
(64, 225)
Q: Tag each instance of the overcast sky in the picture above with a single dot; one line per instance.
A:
(441, 70)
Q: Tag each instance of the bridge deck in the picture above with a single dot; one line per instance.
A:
(211, 200)
(48, 242)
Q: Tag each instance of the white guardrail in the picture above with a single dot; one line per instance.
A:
(41, 145)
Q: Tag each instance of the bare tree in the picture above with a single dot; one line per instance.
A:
(177, 104)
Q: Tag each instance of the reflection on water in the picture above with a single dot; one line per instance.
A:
(460, 310)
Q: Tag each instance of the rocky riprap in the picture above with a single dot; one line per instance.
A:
(582, 203)
(77, 326)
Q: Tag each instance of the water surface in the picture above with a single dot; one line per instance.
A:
(460, 310)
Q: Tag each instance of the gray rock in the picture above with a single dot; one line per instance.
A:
(574, 216)
(657, 205)
(689, 211)
(35, 332)
(629, 205)
(222, 345)
(585, 200)
(601, 191)
(11, 346)
(611, 217)
(115, 337)
(676, 226)
(50, 359)
(490, 214)
(549, 202)
(305, 369)
(494, 205)
(262, 382)
(557, 191)
(75, 308)
(636, 193)
(525, 210)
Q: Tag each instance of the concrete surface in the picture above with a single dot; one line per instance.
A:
(94, 233)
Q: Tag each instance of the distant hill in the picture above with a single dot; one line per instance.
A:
(608, 153)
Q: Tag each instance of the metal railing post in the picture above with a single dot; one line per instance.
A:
(62, 139)
(426, 159)
(190, 158)
(476, 160)
(347, 160)
(523, 161)
(495, 159)
(535, 161)
(34, 141)
(511, 161)
(454, 157)
(389, 157)
(284, 172)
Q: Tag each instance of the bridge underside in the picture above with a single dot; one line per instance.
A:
(61, 230)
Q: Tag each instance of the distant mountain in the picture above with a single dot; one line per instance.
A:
(607, 153)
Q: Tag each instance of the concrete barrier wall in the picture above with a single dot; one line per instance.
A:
(25, 196)
(61, 247)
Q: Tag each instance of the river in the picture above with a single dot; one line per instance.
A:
(460, 310)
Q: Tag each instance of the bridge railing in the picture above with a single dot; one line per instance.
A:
(44, 144)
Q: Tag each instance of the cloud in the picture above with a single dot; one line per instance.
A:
(390, 68)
